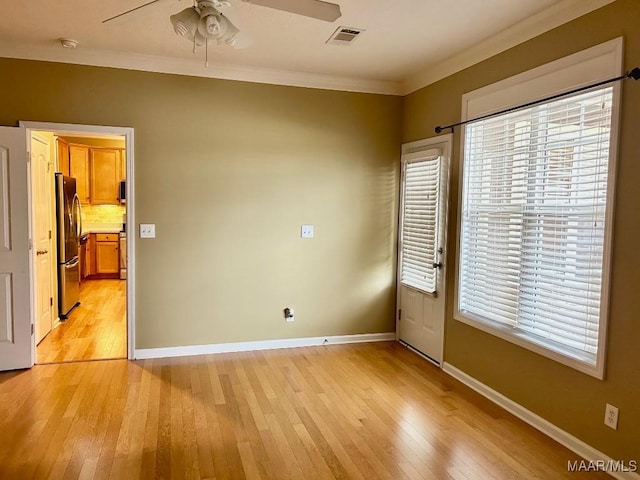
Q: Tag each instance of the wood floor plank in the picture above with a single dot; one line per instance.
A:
(332, 450)
(95, 330)
(347, 411)
(321, 467)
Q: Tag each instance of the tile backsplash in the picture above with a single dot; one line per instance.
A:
(100, 214)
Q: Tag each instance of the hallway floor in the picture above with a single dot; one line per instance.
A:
(95, 330)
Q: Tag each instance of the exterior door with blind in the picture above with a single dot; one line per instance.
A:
(421, 252)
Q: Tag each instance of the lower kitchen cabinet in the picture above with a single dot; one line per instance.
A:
(103, 255)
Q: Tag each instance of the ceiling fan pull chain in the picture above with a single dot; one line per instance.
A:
(206, 52)
(194, 44)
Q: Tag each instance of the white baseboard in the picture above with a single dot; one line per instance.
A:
(145, 353)
(572, 443)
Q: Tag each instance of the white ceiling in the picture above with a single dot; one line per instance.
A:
(407, 43)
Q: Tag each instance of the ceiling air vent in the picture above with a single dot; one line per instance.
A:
(344, 36)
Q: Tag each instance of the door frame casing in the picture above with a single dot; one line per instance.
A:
(97, 130)
(416, 146)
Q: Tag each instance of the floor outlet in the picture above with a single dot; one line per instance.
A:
(611, 416)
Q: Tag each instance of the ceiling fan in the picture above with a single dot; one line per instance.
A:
(204, 21)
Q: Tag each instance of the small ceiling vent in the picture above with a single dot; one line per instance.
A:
(344, 36)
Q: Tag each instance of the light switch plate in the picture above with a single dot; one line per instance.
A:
(147, 230)
(306, 231)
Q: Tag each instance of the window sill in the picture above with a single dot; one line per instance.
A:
(566, 356)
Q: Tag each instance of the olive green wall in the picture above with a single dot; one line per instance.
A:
(571, 400)
(228, 171)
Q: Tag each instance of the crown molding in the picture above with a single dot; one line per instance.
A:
(195, 68)
(527, 29)
(561, 13)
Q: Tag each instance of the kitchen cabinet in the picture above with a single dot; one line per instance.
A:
(105, 176)
(63, 157)
(97, 170)
(107, 255)
(79, 168)
(87, 258)
(123, 165)
(101, 256)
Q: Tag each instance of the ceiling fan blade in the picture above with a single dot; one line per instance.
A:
(329, 12)
(136, 9)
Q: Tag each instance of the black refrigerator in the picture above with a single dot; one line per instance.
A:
(69, 218)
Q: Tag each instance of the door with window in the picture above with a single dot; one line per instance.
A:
(421, 252)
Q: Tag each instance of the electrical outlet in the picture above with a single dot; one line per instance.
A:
(306, 231)
(289, 315)
(611, 416)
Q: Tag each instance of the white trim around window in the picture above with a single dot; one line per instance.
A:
(595, 64)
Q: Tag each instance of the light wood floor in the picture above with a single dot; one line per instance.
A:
(95, 330)
(347, 411)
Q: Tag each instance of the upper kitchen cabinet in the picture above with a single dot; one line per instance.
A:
(79, 168)
(123, 165)
(105, 176)
(63, 157)
(98, 171)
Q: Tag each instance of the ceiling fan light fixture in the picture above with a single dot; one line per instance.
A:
(185, 23)
(199, 39)
(215, 26)
(211, 26)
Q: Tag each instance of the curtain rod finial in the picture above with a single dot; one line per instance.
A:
(438, 129)
(634, 73)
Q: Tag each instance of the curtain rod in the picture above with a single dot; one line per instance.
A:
(633, 73)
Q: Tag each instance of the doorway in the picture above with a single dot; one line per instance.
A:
(422, 245)
(99, 325)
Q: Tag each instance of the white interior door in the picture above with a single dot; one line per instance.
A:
(16, 342)
(422, 239)
(43, 255)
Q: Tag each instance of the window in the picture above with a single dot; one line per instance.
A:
(533, 229)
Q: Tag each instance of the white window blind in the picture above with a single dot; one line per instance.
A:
(533, 214)
(420, 214)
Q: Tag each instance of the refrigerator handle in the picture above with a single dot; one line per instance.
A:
(78, 207)
(72, 264)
